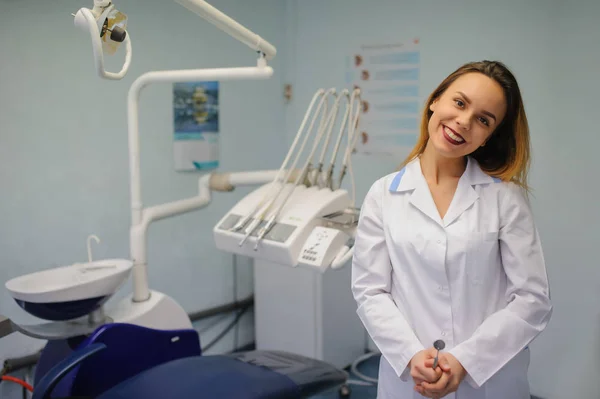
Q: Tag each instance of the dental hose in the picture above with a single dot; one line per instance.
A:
(322, 182)
(325, 120)
(352, 140)
(242, 222)
(300, 178)
(267, 207)
(329, 173)
(4, 377)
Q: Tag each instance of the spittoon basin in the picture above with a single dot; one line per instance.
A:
(69, 292)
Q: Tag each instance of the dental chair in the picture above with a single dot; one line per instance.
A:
(125, 361)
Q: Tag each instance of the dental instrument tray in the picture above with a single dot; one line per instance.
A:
(345, 219)
(297, 217)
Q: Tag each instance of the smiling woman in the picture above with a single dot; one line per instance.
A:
(447, 249)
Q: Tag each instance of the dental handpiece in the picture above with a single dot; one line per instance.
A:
(249, 230)
(352, 136)
(244, 220)
(262, 232)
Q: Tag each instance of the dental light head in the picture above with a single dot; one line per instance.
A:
(107, 28)
(109, 20)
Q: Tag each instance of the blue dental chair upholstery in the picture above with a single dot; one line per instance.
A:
(121, 361)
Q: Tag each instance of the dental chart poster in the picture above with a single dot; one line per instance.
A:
(196, 125)
(388, 76)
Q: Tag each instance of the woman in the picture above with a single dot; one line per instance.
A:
(447, 249)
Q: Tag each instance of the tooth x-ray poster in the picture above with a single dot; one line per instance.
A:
(388, 76)
(196, 125)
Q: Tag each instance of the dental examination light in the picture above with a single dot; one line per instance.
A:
(107, 28)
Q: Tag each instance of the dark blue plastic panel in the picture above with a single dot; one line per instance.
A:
(214, 377)
(54, 352)
(131, 349)
(46, 385)
(60, 311)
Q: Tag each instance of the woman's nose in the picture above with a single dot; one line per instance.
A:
(464, 121)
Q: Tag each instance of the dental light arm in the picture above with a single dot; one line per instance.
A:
(230, 26)
(140, 217)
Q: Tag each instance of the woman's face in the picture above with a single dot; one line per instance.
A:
(466, 115)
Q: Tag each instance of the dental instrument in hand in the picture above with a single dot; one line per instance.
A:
(439, 345)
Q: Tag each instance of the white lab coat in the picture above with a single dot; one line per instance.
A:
(475, 279)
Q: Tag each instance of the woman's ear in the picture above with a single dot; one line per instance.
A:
(433, 105)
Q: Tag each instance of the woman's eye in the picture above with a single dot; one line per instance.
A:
(460, 103)
(484, 121)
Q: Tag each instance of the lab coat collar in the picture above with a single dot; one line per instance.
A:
(411, 178)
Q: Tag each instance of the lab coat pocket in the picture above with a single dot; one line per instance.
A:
(481, 253)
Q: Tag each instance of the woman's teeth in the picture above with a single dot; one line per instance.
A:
(452, 135)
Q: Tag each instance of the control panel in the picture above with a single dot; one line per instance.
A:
(321, 248)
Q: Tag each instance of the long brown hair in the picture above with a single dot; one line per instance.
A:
(506, 155)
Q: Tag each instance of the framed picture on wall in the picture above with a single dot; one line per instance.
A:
(196, 125)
